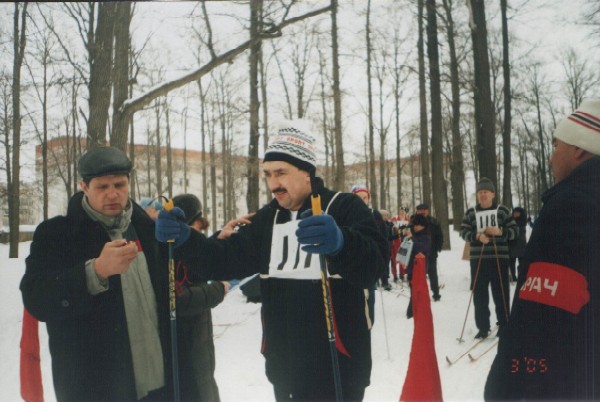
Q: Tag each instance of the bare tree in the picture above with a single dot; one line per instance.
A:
(457, 174)
(101, 61)
(581, 77)
(371, 129)
(506, 131)
(484, 109)
(120, 73)
(14, 172)
(424, 137)
(339, 181)
(252, 161)
(440, 193)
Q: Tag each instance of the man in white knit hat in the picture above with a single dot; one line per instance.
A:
(281, 243)
(550, 349)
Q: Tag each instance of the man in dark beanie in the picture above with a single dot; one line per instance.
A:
(550, 349)
(281, 243)
(99, 280)
(488, 227)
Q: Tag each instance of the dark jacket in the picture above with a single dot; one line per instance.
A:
(195, 341)
(421, 244)
(516, 247)
(437, 236)
(549, 352)
(295, 343)
(89, 343)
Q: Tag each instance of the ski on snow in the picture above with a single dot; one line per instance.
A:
(476, 357)
(471, 348)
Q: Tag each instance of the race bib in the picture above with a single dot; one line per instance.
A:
(287, 258)
(486, 219)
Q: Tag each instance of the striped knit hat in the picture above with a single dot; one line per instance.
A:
(293, 145)
(582, 128)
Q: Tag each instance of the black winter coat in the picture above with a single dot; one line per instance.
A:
(195, 341)
(89, 343)
(295, 343)
(549, 352)
(516, 247)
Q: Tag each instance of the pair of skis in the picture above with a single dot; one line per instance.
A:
(469, 352)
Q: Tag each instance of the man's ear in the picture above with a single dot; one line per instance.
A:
(83, 187)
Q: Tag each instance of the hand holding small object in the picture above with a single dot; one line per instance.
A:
(115, 258)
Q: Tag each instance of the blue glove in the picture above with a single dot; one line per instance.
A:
(171, 226)
(320, 234)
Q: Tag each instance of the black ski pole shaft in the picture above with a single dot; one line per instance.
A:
(173, 313)
(472, 291)
(315, 200)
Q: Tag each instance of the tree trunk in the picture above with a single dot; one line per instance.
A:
(457, 173)
(440, 193)
(424, 137)
(371, 139)
(100, 75)
(506, 132)
(339, 182)
(14, 187)
(252, 161)
(121, 74)
(484, 108)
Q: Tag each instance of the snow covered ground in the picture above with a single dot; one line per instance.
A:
(240, 366)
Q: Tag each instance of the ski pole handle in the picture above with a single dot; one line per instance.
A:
(315, 202)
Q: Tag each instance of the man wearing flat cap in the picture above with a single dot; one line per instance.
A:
(550, 348)
(99, 280)
(283, 244)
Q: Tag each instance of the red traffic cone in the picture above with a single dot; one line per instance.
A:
(422, 381)
(30, 370)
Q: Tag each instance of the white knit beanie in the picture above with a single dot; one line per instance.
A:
(294, 145)
(582, 128)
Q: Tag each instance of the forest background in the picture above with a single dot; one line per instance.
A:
(473, 88)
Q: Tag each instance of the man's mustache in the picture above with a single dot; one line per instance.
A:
(279, 190)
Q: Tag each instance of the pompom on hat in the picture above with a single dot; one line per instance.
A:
(582, 127)
(293, 145)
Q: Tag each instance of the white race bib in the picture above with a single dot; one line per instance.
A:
(287, 258)
(486, 219)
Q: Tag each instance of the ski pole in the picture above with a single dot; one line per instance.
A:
(500, 279)
(168, 205)
(315, 200)
(387, 343)
(460, 339)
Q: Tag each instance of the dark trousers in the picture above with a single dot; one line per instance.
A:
(433, 274)
(513, 267)
(488, 274)
(316, 393)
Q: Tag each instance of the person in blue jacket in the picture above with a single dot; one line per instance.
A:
(550, 348)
